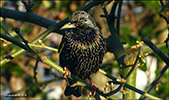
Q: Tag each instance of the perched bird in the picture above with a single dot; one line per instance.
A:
(81, 50)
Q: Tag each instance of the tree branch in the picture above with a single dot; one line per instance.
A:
(157, 51)
(114, 46)
(148, 89)
(86, 85)
(30, 17)
(39, 20)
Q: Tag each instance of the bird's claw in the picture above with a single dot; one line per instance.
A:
(95, 87)
(67, 71)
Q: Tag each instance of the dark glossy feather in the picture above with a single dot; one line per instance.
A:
(82, 49)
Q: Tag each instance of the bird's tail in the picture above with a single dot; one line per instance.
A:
(72, 90)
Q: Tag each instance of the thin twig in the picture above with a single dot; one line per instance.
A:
(45, 47)
(34, 70)
(17, 30)
(49, 31)
(104, 9)
(157, 51)
(105, 65)
(119, 17)
(14, 41)
(134, 66)
(162, 3)
(5, 30)
(113, 9)
(29, 18)
(148, 89)
(126, 77)
(28, 5)
(86, 85)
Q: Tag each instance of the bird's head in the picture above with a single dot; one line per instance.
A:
(80, 19)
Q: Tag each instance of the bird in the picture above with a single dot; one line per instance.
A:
(81, 50)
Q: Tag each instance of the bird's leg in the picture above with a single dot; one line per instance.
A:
(96, 87)
(67, 71)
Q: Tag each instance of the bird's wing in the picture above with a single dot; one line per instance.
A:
(61, 50)
(61, 45)
(65, 52)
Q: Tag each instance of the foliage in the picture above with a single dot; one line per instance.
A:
(147, 23)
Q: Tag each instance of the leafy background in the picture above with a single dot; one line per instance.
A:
(138, 20)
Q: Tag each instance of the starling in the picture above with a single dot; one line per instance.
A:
(81, 50)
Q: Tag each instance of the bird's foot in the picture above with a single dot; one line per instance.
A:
(95, 87)
(67, 71)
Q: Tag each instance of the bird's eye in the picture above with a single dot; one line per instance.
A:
(74, 22)
(81, 18)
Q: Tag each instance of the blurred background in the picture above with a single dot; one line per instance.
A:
(139, 19)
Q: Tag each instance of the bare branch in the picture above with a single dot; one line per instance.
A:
(157, 51)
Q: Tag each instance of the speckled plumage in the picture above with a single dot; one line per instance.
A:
(81, 49)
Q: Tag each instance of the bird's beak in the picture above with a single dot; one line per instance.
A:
(68, 25)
